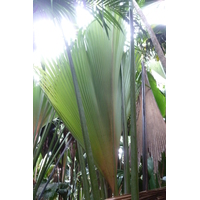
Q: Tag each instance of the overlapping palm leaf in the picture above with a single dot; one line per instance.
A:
(97, 63)
(67, 8)
(41, 109)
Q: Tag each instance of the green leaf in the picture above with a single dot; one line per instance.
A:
(49, 171)
(50, 190)
(41, 108)
(97, 63)
(159, 97)
(152, 181)
(157, 67)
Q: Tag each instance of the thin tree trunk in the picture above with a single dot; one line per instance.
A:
(125, 141)
(134, 156)
(144, 145)
(152, 35)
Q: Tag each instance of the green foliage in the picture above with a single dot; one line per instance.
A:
(41, 109)
(145, 44)
(120, 180)
(154, 179)
(126, 71)
(159, 97)
(156, 66)
(83, 170)
(162, 169)
(141, 3)
(54, 189)
(97, 60)
(49, 170)
(50, 192)
(97, 64)
(48, 137)
(57, 9)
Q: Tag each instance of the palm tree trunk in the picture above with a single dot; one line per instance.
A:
(152, 35)
(134, 158)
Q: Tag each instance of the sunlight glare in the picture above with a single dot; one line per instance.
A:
(155, 13)
(120, 152)
(83, 17)
(48, 38)
(69, 30)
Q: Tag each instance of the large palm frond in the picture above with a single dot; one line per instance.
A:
(97, 63)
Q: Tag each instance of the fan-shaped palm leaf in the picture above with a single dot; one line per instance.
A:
(97, 63)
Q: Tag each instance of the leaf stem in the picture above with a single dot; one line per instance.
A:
(134, 156)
